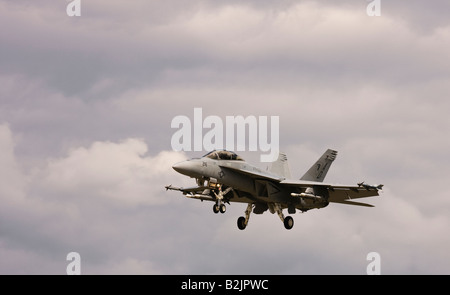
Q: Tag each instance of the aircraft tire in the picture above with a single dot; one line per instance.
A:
(288, 222)
(222, 208)
(241, 223)
(216, 208)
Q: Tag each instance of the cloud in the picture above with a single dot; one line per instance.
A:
(100, 199)
(86, 105)
(302, 41)
(10, 176)
(115, 171)
(72, 202)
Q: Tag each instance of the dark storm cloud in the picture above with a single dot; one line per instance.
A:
(135, 45)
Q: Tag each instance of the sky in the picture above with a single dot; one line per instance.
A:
(86, 105)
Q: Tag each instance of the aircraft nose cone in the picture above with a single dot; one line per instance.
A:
(182, 167)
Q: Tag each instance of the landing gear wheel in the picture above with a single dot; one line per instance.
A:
(241, 223)
(216, 208)
(222, 208)
(288, 222)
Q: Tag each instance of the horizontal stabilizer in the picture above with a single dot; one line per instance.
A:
(354, 203)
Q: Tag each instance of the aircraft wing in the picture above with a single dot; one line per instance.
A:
(256, 174)
(344, 194)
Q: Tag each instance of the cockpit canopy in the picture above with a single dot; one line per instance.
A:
(223, 155)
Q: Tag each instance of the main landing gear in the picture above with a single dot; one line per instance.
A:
(288, 221)
(243, 221)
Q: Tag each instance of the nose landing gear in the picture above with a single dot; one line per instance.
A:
(219, 206)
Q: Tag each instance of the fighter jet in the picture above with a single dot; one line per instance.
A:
(223, 177)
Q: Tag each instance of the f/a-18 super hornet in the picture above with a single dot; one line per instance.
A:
(223, 177)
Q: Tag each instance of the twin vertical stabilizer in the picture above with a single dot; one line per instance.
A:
(319, 170)
(316, 173)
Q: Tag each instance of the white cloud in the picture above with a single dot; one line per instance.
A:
(78, 201)
(115, 171)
